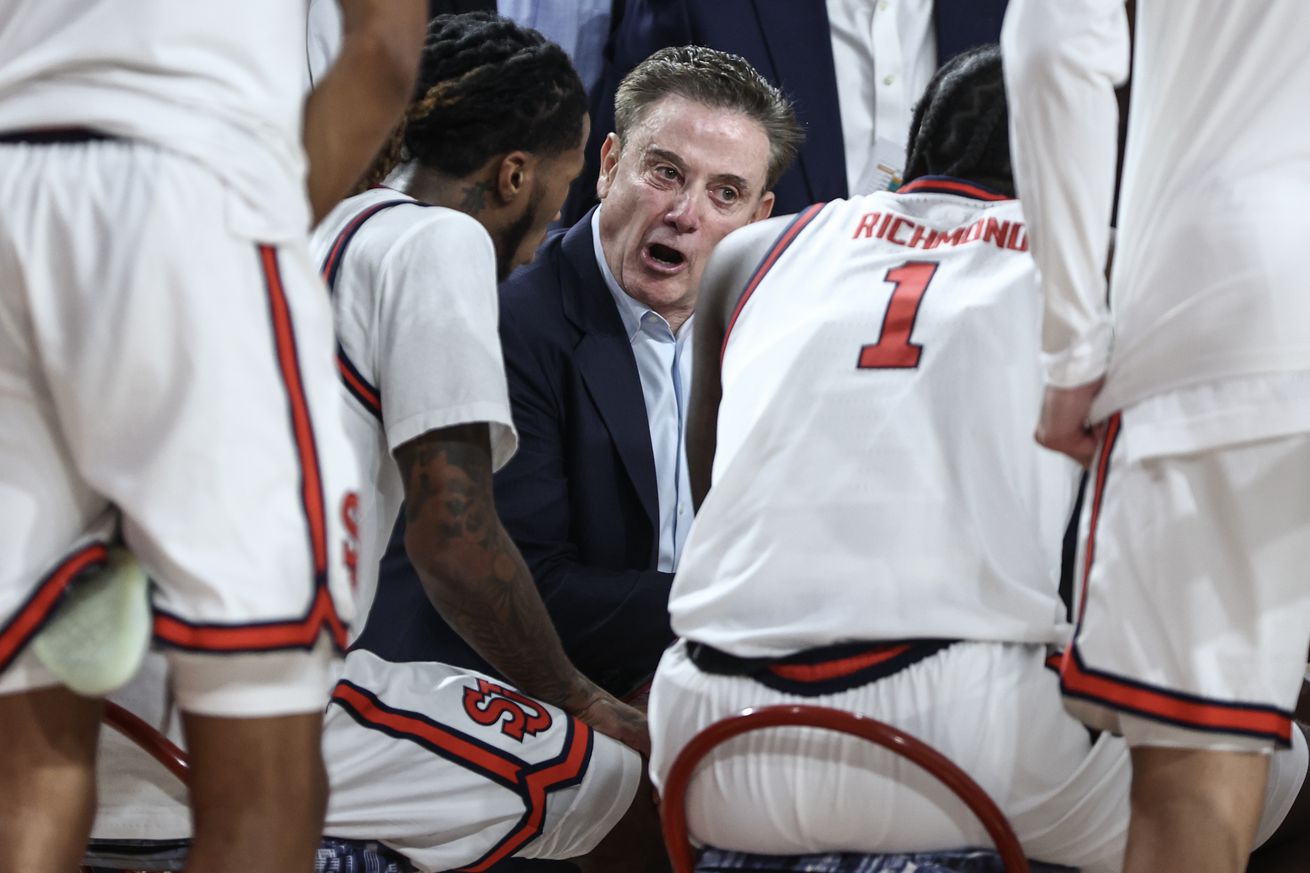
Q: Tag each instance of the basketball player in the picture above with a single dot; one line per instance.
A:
(166, 377)
(1190, 389)
(882, 535)
(448, 767)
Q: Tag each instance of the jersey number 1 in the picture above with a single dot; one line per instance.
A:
(893, 350)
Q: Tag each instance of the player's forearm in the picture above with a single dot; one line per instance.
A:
(349, 116)
(1062, 61)
(476, 579)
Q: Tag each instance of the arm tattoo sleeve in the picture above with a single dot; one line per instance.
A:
(471, 569)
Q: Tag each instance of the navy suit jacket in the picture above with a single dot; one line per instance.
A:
(579, 496)
(788, 42)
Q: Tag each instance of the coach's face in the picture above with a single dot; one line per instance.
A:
(687, 175)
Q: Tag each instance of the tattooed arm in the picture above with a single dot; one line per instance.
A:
(475, 577)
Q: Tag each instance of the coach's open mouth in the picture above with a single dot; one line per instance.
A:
(664, 258)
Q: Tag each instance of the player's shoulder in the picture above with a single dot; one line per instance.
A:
(380, 222)
(741, 253)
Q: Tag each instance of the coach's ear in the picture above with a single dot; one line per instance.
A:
(513, 176)
(609, 161)
(765, 209)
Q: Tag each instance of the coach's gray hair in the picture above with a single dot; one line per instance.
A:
(717, 79)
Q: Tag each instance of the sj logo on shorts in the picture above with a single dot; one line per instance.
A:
(490, 703)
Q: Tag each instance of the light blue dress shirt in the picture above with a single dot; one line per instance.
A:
(580, 27)
(664, 366)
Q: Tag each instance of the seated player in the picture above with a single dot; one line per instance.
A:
(883, 534)
(445, 766)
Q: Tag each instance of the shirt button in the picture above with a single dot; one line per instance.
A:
(882, 7)
(889, 78)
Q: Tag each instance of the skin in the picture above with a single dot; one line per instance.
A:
(357, 104)
(687, 175)
(515, 196)
(1063, 425)
(258, 789)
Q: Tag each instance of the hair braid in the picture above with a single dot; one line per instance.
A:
(486, 86)
(961, 126)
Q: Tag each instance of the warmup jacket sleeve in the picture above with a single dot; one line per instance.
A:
(1063, 60)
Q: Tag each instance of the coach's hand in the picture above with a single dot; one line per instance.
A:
(1063, 425)
(615, 719)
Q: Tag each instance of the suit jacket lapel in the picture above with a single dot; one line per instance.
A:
(808, 77)
(605, 361)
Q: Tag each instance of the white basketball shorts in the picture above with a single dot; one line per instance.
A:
(457, 770)
(1194, 611)
(169, 381)
(992, 708)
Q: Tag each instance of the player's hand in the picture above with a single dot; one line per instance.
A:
(614, 719)
(1063, 425)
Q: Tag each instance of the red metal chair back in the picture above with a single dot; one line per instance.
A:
(673, 809)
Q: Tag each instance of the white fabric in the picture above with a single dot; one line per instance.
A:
(417, 313)
(221, 83)
(993, 709)
(1206, 553)
(445, 815)
(1215, 414)
(866, 504)
(1208, 269)
(884, 54)
(323, 38)
(664, 368)
(137, 799)
(146, 365)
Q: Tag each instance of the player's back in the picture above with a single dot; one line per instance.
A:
(875, 475)
(221, 83)
(1209, 252)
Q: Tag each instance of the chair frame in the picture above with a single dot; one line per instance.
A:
(673, 810)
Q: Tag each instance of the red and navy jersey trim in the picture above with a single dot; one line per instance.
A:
(531, 782)
(1189, 711)
(783, 242)
(825, 670)
(949, 185)
(39, 608)
(360, 388)
(321, 615)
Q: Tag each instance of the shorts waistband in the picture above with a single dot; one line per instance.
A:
(823, 670)
(52, 136)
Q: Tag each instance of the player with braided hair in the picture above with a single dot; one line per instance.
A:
(866, 377)
(447, 767)
(960, 127)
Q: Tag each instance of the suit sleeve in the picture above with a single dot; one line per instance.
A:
(614, 623)
(1063, 59)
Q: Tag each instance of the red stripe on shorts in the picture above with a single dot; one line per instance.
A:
(321, 614)
(32, 615)
(1176, 708)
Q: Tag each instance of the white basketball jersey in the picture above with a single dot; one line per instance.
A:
(418, 348)
(876, 476)
(219, 82)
